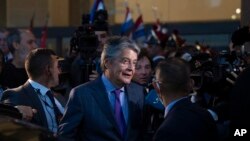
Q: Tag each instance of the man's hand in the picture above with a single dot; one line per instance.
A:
(26, 111)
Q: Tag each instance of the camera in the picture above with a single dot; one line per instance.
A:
(85, 43)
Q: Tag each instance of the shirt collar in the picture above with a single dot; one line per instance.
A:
(108, 84)
(170, 106)
(38, 86)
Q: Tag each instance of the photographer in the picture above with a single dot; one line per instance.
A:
(87, 44)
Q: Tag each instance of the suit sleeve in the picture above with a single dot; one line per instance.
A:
(72, 117)
(10, 98)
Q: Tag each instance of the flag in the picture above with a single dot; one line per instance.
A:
(127, 26)
(32, 22)
(98, 5)
(44, 33)
(156, 28)
(139, 31)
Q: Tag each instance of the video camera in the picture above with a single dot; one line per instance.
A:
(86, 43)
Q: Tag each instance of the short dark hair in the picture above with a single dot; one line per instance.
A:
(37, 60)
(144, 53)
(174, 75)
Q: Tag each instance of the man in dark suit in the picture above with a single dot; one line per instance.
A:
(183, 119)
(109, 108)
(42, 68)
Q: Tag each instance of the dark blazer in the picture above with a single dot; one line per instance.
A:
(26, 95)
(239, 105)
(89, 115)
(186, 121)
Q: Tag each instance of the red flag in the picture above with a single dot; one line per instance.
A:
(44, 34)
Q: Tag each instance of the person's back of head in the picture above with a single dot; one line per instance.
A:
(173, 75)
(38, 61)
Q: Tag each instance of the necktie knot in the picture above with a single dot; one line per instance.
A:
(117, 93)
(50, 95)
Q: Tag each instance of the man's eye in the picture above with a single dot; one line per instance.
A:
(124, 61)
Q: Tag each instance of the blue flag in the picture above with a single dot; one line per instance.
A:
(98, 5)
(127, 26)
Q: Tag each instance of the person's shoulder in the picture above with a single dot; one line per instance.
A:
(135, 85)
(12, 91)
(88, 85)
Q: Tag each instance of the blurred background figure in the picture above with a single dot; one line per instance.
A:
(143, 70)
(153, 108)
(3, 45)
(2, 63)
(20, 43)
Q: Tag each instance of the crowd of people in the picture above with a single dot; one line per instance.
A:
(162, 91)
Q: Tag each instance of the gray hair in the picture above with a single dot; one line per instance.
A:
(114, 46)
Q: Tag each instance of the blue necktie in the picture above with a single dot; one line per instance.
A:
(56, 109)
(119, 117)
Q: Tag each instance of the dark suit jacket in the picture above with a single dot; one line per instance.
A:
(187, 122)
(239, 105)
(26, 95)
(89, 116)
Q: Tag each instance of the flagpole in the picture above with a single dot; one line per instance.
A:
(31, 26)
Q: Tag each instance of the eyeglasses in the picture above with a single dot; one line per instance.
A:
(156, 83)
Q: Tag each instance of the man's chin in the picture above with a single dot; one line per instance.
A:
(127, 81)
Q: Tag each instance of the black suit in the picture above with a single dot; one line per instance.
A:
(187, 122)
(26, 95)
(89, 115)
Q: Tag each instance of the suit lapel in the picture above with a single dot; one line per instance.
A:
(102, 100)
(130, 100)
(36, 103)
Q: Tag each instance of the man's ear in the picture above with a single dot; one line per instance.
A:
(47, 70)
(106, 63)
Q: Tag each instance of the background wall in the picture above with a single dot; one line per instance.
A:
(180, 10)
(63, 13)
